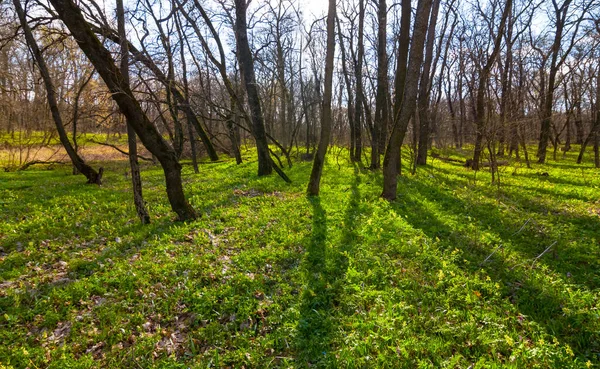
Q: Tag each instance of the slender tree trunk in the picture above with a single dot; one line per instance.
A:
(348, 91)
(83, 168)
(186, 94)
(401, 64)
(326, 116)
(597, 121)
(233, 130)
(424, 90)
(506, 87)
(409, 100)
(381, 107)
(136, 179)
(246, 63)
(102, 60)
(360, 98)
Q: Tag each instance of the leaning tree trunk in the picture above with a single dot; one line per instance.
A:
(102, 60)
(244, 56)
(78, 162)
(162, 78)
(136, 179)
(319, 160)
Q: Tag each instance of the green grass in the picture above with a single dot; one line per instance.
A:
(21, 138)
(270, 278)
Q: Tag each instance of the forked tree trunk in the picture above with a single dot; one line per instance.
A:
(425, 91)
(102, 60)
(319, 160)
(92, 176)
(409, 99)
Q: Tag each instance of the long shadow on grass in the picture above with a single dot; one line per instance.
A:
(539, 302)
(325, 271)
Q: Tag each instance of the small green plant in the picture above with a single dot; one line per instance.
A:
(443, 277)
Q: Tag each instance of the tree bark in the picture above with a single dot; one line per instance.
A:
(246, 63)
(360, 98)
(348, 91)
(401, 62)
(380, 123)
(409, 100)
(136, 179)
(424, 90)
(326, 116)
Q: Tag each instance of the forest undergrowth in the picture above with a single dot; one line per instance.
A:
(457, 272)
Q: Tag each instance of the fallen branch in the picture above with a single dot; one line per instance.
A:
(118, 149)
(36, 162)
(493, 252)
(542, 254)
(500, 246)
(447, 159)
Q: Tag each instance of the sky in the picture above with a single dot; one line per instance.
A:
(313, 8)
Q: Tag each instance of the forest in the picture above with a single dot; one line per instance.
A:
(299, 184)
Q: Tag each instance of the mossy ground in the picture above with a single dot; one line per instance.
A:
(270, 278)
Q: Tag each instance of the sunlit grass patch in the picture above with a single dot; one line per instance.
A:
(452, 274)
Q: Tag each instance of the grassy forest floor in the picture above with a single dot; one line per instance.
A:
(449, 275)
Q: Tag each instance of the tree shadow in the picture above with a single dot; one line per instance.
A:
(533, 297)
(325, 267)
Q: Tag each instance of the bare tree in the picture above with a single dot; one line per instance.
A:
(102, 60)
(91, 175)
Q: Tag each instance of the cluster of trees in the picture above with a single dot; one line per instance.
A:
(202, 77)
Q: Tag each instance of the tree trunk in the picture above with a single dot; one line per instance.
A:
(348, 91)
(424, 90)
(136, 179)
(409, 100)
(555, 64)
(186, 94)
(102, 60)
(401, 63)
(234, 134)
(319, 160)
(246, 63)
(358, 65)
(380, 122)
(162, 78)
